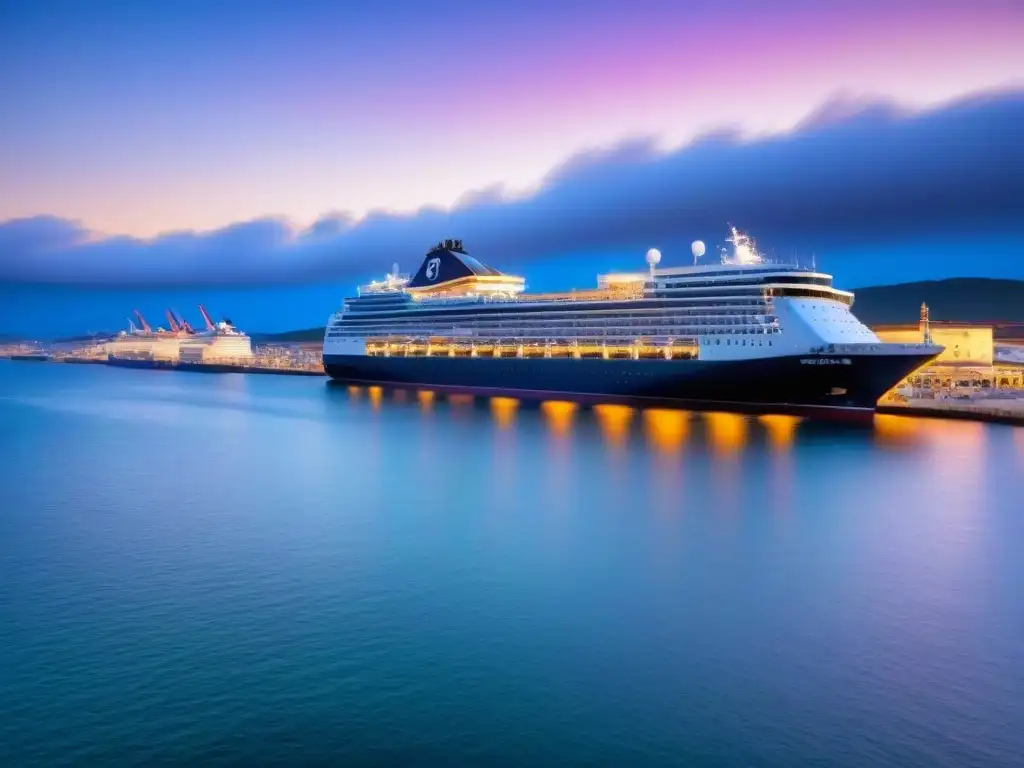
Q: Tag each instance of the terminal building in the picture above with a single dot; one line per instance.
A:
(970, 360)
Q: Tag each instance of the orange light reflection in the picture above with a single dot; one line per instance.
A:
(614, 421)
(728, 432)
(504, 410)
(376, 394)
(781, 428)
(355, 392)
(559, 415)
(666, 429)
(426, 398)
(460, 400)
(897, 431)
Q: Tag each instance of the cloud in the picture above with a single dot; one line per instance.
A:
(853, 171)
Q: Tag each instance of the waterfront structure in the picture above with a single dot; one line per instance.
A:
(970, 358)
(738, 333)
(23, 351)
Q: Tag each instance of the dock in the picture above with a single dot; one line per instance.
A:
(994, 410)
(290, 360)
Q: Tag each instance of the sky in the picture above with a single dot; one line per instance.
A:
(228, 145)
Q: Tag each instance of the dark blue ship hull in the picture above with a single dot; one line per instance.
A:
(799, 384)
(131, 362)
(196, 367)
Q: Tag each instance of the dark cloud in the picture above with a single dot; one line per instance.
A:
(853, 171)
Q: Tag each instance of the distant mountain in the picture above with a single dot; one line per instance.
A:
(308, 334)
(99, 336)
(957, 300)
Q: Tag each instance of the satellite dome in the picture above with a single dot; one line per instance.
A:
(697, 248)
(653, 256)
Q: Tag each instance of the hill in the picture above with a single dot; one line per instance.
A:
(98, 336)
(289, 337)
(957, 300)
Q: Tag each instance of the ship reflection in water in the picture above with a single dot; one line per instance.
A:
(781, 428)
(669, 431)
(666, 429)
(559, 415)
(504, 410)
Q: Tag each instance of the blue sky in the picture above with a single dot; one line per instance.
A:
(265, 157)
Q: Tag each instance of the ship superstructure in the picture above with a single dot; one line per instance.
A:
(742, 331)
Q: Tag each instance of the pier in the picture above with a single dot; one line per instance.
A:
(298, 360)
(975, 377)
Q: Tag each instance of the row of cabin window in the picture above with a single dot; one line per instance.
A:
(675, 330)
(723, 307)
(728, 342)
(606, 322)
(769, 280)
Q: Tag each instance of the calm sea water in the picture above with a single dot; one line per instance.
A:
(261, 570)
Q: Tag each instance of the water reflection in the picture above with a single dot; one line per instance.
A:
(666, 429)
(914, 431)
(559, 415)
(614, 421)
(897, 431)
(724, 435)
(504, 410)
(961, 449)
(426, 399)
(727, 432)
(781, 429)
(376, 395)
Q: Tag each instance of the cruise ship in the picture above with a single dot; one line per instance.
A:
(144, 346)
(742, 333)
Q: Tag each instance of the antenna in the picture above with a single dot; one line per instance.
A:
(926, 331)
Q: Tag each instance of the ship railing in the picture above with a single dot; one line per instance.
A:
(600, 294)
(709, 306)
(392, 284)
(545, 330)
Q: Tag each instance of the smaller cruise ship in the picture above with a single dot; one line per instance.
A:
(740, 333)
(218, 342)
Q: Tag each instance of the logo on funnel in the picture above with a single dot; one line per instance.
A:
(433, 268)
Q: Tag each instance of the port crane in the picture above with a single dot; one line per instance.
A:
(183, 323)
(142, 322)
(210, 326)
(177, 325)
